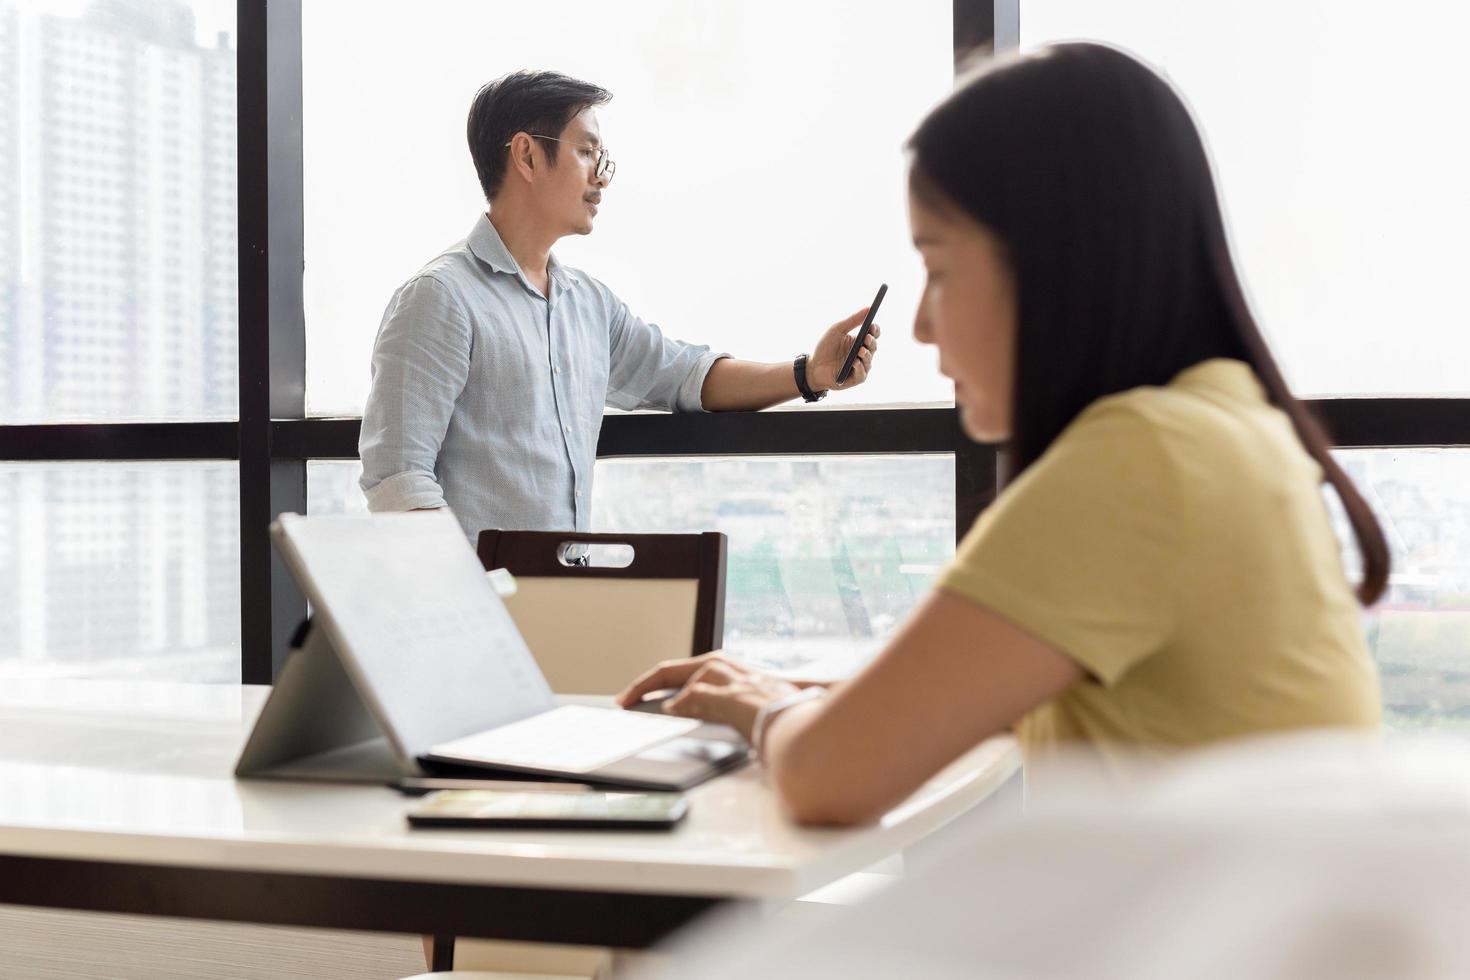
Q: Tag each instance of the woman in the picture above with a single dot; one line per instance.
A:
(1160, 571)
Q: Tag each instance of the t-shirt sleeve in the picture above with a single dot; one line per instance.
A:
(1082, 550)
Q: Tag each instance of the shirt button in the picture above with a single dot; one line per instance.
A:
(556, 370)
(579, 495)
(567, 429)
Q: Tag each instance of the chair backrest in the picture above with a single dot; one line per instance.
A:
(593, 628)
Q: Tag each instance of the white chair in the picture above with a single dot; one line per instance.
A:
(1305, 859)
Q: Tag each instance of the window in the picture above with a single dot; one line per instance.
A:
(1341, 167)
(386, 166)
(828, 554)
(121, 570)
(331, 487)
(1420, 632)
(118, 302)
(760, 186)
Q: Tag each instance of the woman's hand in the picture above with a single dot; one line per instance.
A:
(711, 688)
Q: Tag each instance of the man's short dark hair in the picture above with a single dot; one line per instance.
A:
(537, 102)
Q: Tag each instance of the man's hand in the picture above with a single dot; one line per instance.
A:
(824, 363)
(747, 386)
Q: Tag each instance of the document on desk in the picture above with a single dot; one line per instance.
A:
(427, 634)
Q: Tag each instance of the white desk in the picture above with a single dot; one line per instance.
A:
(118, 796)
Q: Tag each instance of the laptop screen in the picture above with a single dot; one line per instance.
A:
(421, 630)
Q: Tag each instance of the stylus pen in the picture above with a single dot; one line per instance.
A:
(419, 785)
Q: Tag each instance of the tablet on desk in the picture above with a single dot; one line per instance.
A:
(556, 811)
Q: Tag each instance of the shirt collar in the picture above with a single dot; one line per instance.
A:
(560, 272)
(487, 245)
(1233, 378)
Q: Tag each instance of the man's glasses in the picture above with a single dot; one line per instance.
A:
(605, 167)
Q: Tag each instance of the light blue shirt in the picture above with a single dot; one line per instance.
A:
(488, 397)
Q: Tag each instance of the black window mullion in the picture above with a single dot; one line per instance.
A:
(272, 325)
(976, 481)
(979, 26)
(985, 25)
(1366, 423)
(118, 441)
(830, 432)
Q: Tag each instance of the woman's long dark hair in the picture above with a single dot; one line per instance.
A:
(1088, 168)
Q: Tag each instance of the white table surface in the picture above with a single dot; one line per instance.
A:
(140, 773)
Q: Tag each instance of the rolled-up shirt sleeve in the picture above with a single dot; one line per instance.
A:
(648, 370)
(421, 361)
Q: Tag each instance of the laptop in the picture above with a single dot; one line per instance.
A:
(413, 664)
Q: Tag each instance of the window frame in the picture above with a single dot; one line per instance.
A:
(273, 439)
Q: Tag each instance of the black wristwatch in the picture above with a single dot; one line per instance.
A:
(806, 390)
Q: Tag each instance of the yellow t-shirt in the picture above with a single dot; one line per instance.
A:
(1175, 542)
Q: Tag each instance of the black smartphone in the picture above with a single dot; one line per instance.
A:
(423, 785)
(862, 335)
(556, 811)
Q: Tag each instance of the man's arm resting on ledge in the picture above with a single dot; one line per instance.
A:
(746, 386)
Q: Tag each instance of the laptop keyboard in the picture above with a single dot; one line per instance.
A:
(572, 738)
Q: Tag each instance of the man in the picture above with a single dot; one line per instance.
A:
(493, 364)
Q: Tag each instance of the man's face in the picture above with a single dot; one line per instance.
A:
(571, 191)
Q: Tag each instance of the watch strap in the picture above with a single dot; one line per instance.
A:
(799, 367)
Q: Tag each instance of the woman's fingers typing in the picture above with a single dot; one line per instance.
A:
(670, 673)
